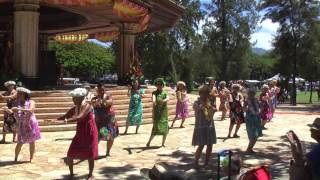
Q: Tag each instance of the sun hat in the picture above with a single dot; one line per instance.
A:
(78, 92)
(160, 80)
(22, 89)
(181, 83)
(315, 125)
(8, 83)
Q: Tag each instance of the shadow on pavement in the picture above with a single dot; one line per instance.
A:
(123, 172)
(129, 149)
(10, 163)
(308, 108)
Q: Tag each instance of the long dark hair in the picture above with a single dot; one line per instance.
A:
(133, 89)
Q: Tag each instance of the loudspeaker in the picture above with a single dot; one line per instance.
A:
(47, 69)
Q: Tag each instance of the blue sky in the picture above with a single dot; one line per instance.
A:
(262, 38)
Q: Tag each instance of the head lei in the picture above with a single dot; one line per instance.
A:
(8, 83)
(24, 90)
(160, 80)
(234, 86)
(78, 92)
(222, 83)
(181, 83)
(265, 86)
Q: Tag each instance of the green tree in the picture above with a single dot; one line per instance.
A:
(161, 51)
(86, 60)
(227, 34)
(293, 17)
(260, 67)
(310, 51)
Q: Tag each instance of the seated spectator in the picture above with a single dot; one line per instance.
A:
(305, 166)
(237, 172)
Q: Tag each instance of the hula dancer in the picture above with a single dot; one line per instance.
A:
(105, 117)
(224, 94)
(253, 120)
(160, 112)
(135, 107)
(182, 104)
(236, 110)
(266, 113)
(9, 121)
(84, 145)
(204, 133)
(28, 129)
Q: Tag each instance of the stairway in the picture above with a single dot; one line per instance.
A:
(52, 104)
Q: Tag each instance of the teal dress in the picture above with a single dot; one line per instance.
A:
(253, 120)
(135, 108)
(160, 114)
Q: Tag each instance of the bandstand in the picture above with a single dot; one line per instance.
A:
(32, 23)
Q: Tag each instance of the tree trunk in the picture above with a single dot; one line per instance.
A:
(224, 40)
(311, 89)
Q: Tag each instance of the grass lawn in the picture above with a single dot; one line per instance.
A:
(301, 97)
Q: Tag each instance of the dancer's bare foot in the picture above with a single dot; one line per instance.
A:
(250, 151)
(181, 126)
(236, 136)
(148, 145)
(90, 177)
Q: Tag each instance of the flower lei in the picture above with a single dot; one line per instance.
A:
(207, 110)
(135, 72)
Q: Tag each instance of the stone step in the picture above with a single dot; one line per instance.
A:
(118, 99)
(116, 103)
(61, 113)
(72, 127)
(120, 118)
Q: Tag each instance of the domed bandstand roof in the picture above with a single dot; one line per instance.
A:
(99, 19)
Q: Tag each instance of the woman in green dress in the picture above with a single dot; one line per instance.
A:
(160, 112)
(135, 106)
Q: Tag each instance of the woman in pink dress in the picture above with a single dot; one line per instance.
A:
(182, 104)
(266, 113)
(84, 144)
(28, 129)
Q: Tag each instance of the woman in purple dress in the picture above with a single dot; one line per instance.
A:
(28, 129)
(182, 104)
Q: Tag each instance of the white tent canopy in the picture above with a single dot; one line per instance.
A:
(252, 81)
(278, 77)
(275, 77)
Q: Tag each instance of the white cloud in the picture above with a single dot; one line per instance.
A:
(264, 36)
(262, 40)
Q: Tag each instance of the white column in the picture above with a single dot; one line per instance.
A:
(26, 30)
